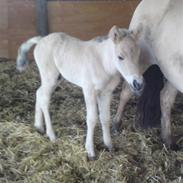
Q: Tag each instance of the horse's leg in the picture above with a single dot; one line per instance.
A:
(38, 113)
(168, 95)
(104, 102)
(45, 96)
(92, 118)
(49, 80)
(125, 95)
(39, 125)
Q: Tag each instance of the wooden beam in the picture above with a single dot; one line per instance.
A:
(42, 17)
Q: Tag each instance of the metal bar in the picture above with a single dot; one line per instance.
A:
(42, 17)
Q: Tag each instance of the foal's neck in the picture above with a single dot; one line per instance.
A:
(107, 53)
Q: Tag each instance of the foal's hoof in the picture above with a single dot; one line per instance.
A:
(40, 130)
(112, 149)
(108, 148)
(52, 137)
(91, 158)
(172, 143)
(174, 147)
(116, 129)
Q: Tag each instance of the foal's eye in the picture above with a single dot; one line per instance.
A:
(120, 58)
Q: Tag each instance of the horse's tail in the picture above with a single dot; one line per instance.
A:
(149, 110)
(22, 61)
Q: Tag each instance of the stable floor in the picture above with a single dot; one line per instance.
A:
(27, 156)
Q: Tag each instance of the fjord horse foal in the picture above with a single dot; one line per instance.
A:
(93, 65)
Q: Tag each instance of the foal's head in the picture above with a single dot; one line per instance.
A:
(127, 55)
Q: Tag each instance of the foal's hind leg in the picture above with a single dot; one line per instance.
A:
(38, 113)
(125, 95)
(42, 105)
(168, 96)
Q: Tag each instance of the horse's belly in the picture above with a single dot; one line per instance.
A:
(176, 79)
(169, 56)
(167, 43)
(170, 59)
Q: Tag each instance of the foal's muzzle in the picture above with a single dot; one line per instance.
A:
(138, 87)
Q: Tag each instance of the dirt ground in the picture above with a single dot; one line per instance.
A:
(27, 156)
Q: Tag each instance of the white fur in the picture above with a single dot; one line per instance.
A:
(162, 31)
(94, 66)
(160, 28)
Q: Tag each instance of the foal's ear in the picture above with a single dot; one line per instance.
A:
(114, 34)
(117, 34)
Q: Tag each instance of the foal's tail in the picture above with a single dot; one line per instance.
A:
(22, 60)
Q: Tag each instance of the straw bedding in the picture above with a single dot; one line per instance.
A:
(27, 156)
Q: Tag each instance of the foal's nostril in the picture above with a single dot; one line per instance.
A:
(137, 86)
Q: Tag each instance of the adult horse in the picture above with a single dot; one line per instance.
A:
(160, 26)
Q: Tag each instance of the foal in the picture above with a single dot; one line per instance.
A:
(93, 65)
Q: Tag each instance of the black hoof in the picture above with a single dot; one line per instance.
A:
(174, 147)
(171, 143)
(101, 147)
(112, 150)
(91, 158)
(116, 130)
(40, 131)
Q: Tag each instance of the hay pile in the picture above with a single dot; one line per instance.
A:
(26, 156)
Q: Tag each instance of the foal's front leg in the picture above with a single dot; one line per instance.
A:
(168, 96)
(104, 101)
(92, 118)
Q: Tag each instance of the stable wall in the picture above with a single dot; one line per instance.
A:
(84, 19)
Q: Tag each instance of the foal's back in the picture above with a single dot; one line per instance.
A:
(78, 61)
